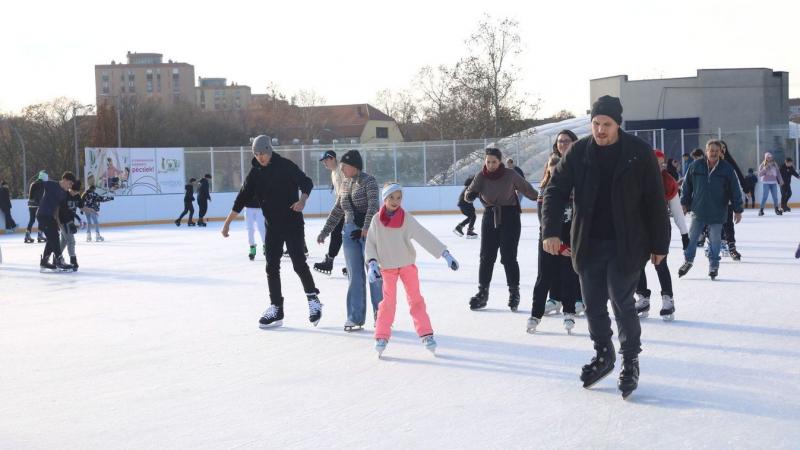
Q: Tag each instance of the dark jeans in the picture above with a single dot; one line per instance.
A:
(556, 276)
(752, 198)
(10, 224)
(468, 211)
(504, 238)
(664, 279)
(295, 244)
(601, 280)
(203, 204)
(728, 231)
(336, 240)
(32, 219)
(786, 193)
(187, 207)
(49, 226)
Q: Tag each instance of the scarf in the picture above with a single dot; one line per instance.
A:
(496, 174)
(391, 221)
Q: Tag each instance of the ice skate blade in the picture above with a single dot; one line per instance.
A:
(668, 317)
(275, 324)
(626, 394)
(458, 234)
(472, 237)
(353, 328)
(644, 315)
(316, 322)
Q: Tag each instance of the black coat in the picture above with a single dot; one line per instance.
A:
(639, 211)
(203, 191)
(276, 188)
(188, 193)
(5, 198)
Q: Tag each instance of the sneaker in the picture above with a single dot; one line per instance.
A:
(471, 234)
(628, 376)
(380, 346)
(429, 342)
(667, 308)
(569, 322)
(533, 322)
(314, 309)
(459, 230)
(552, 306)
(642, 306)
(580, 307)
(272, 317)
(601, 365)
(684, 269)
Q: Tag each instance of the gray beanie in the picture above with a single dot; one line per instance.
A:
(262, 144)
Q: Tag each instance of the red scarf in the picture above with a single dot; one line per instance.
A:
(393, 221)
(670, 185)
(496, 174)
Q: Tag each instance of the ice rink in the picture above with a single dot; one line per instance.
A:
(155, 343)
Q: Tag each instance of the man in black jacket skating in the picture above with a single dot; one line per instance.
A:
(619, 223)
(203, 197)
(275, 181)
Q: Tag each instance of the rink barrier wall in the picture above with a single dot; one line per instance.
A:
(165, 208)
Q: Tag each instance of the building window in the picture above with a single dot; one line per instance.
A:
(149, 86)
(105, 87)
(382, 132)
(105, 76)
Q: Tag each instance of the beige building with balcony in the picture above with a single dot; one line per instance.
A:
(144, 77)
(213, 94)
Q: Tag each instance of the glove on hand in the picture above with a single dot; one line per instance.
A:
(451, 262)
(373, 272)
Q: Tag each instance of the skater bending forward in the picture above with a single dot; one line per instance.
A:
(391, 255)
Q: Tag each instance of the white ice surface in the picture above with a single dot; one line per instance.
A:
(155, 344)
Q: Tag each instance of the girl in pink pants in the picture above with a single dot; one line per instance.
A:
(391, 256)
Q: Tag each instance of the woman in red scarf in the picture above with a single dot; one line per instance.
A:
(500, 227)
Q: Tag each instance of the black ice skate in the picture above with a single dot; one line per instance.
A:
(325, 266)
(28, 238)
(45, 266)
(684, 269)
(40, 238)
(200, 223)
(513, 298)
(62, 265)
(734, 254)
(459, 230)
(177, 222)
(628, 376)
(73, 261)
(643, 305)
(479, 300)
(191, 224)
(471, 234)
(601, 365)
(713, 272)
(272, 317)
(314, 308)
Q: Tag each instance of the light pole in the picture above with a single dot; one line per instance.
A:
(24, 154)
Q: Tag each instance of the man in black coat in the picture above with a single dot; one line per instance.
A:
(275, 181)
(203, 197)
(5, 206)
(619, 223)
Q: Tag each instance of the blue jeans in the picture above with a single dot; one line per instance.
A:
(770, 189)
(356, 272)
(714, 236)
(91, 218)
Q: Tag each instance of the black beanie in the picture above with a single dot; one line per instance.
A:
(353, 158)
(608, 106)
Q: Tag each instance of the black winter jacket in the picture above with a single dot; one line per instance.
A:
(188, 192)
(5, 198)
(276, 188)
(639, 211)
(35, 192)
(203, 191)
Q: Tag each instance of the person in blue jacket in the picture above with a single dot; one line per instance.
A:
(710, 185)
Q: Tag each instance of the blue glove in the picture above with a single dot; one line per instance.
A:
(373, 272)
(451, 262)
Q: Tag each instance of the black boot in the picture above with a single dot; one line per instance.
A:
(778, 211)
(325, 266)
(40, 238)
(685, 240)
(28, 238)
(45, 265)
(601, 365)
(479, 300)
(735, 255)
(73, 261)
(628, 376)
(513, 298)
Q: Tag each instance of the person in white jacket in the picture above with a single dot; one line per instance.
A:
(391, 255)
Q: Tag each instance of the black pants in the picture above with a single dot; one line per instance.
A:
(203, 204)
(664, 279)
(468, 211)
(752, 198)
(786, 193)
(187, 207)
(295, 244)
(601, 280)
(10, 224)
(32, 219)
(728, 231)
(336, 240)
(50, 228)
(506, 239)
